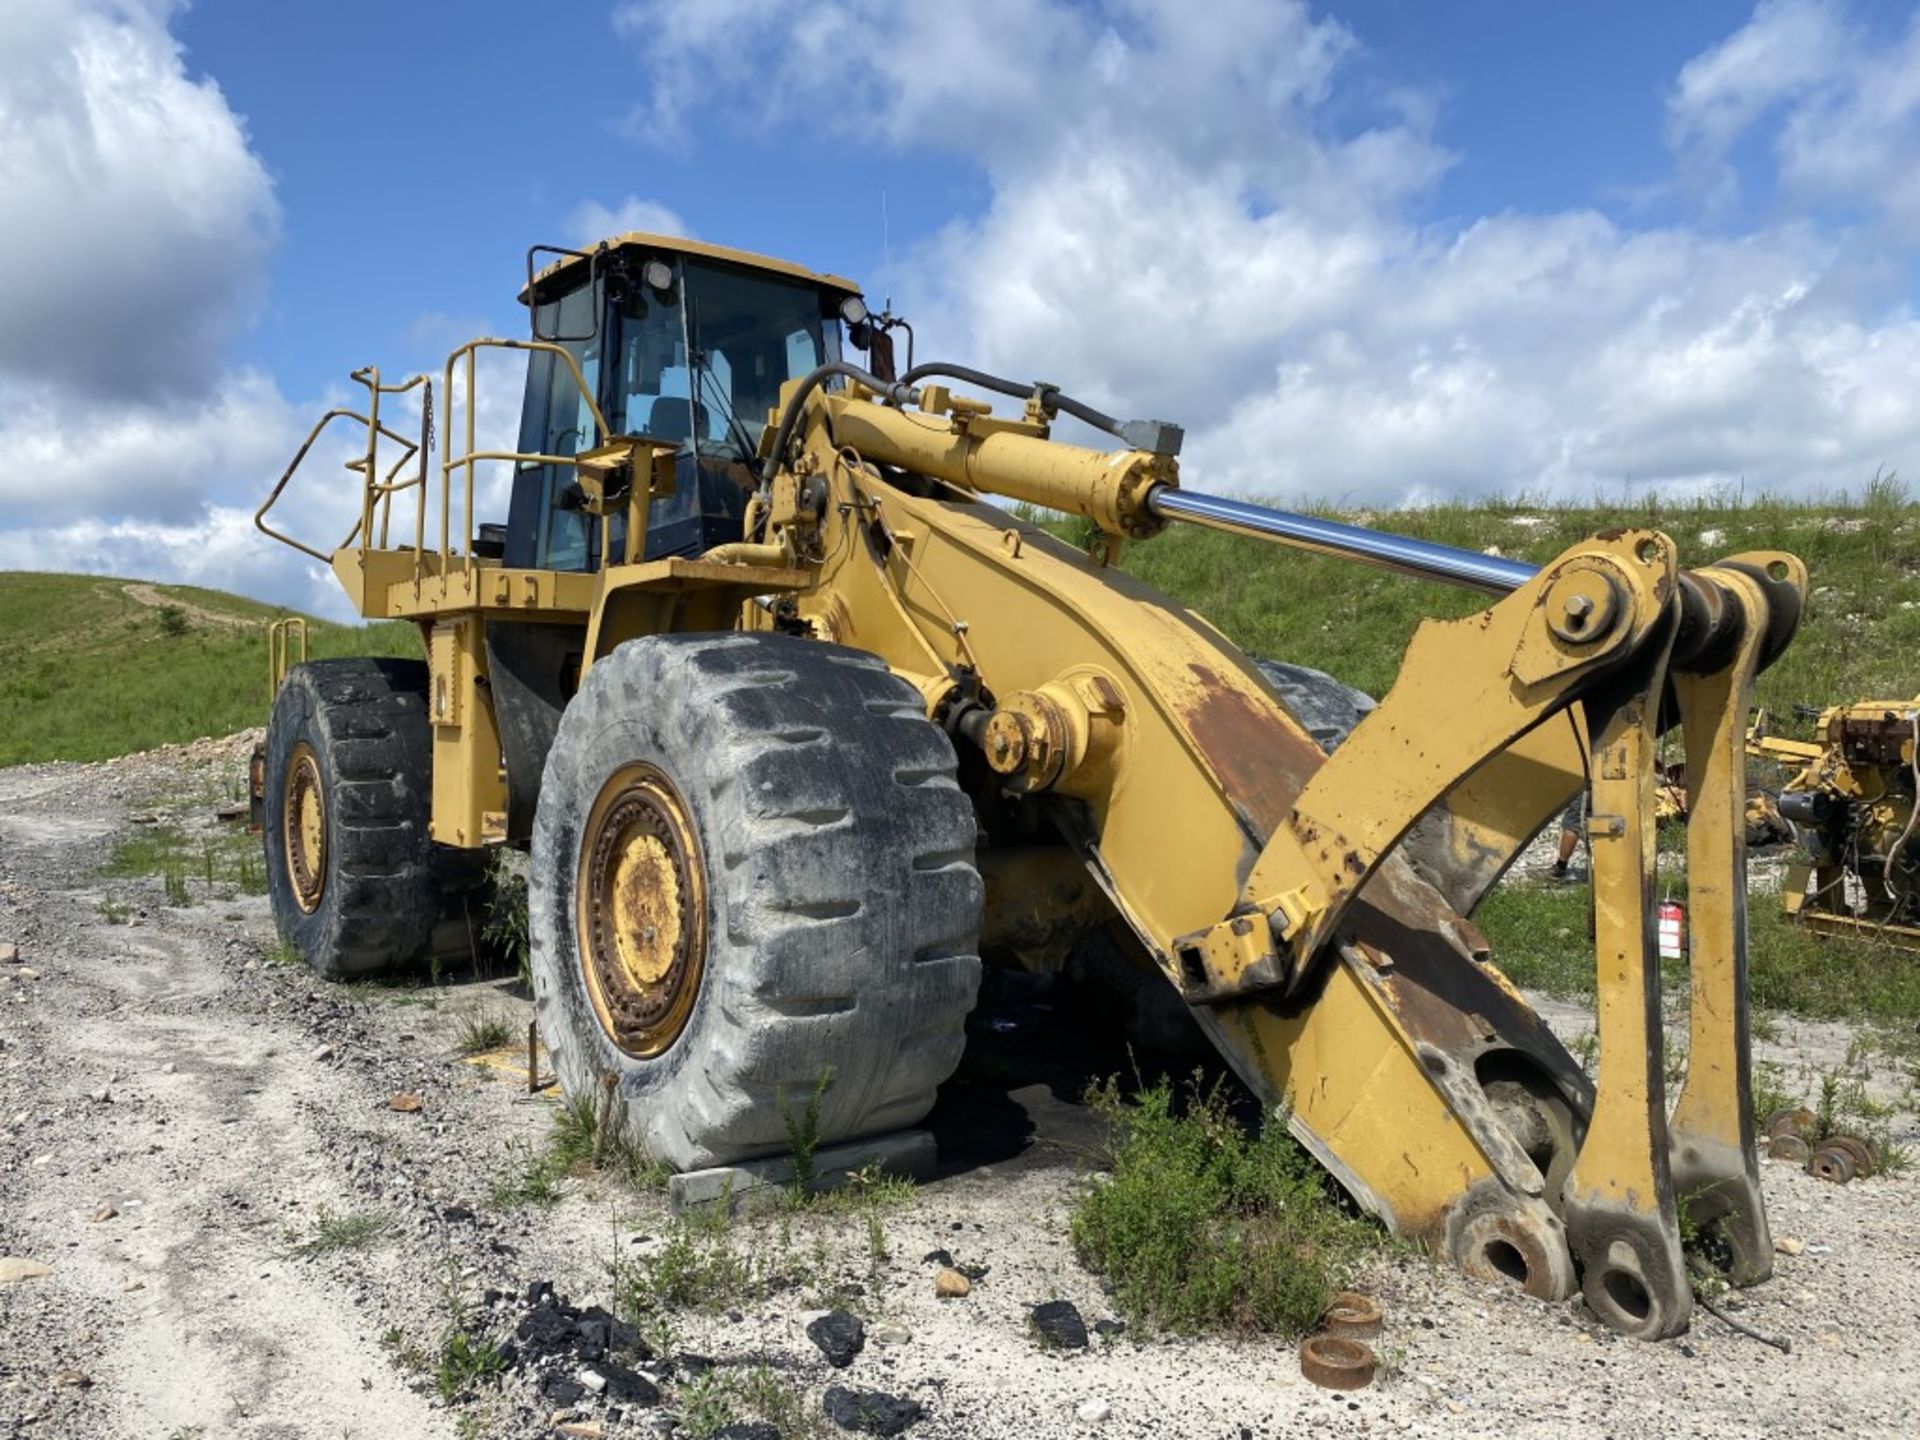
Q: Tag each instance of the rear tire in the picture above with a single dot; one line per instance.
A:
(358, 885)
(798, 793)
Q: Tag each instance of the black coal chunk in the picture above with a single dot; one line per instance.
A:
(1058, 1324)
(870, 1412)
(840, 1337)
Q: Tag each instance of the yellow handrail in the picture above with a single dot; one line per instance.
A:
(470, 457)
(379, 492)
(300, 455)
(280, 635)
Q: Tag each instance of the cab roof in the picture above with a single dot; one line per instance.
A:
(676, 245)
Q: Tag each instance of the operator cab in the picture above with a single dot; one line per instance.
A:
(683, 343)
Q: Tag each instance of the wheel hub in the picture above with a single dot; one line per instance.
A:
(642, 898)
(303, 828)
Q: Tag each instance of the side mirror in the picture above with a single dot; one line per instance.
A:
(880, 355)
(592, 257)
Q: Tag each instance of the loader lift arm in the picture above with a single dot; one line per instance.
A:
(1263, 879)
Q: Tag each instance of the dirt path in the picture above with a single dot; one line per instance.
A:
(222, 1104)
(142, 593)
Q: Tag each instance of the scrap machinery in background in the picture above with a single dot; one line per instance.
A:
(798, 723)
(1851, 797)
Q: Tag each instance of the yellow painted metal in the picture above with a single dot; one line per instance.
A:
(1493, 677)
(1861, 889)
(1619, 1199)
(286, 637)
(467, 784)
(1487, 818)
(1016, 460)
(680, 245)
(641, 896)
(1205, 764)
(1715, 1161)
(303, 827)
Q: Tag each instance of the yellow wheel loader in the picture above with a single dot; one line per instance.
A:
(799, 721)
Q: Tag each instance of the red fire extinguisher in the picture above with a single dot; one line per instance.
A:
(1670, 925)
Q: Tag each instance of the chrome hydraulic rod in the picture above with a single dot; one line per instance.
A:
(1421, 558)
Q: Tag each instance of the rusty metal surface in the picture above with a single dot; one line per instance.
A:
(1337, 1362)
(1356, 1316)
(1262, 766)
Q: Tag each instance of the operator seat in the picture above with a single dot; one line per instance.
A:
(667, 420)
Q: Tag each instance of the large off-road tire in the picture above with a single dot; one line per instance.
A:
(355, 880)
(752, 868)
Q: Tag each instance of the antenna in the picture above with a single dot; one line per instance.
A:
(886, 245)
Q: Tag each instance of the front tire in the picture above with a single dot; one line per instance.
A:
(752, 869)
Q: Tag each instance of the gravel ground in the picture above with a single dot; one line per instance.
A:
(216, 1102)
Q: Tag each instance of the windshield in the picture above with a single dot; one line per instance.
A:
(697, 364)
(710, 385)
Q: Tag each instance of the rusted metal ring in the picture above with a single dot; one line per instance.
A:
(1788, 1147)
(303, 827)
(641, 893)
(1356, 1316)
(1337, 1362)
(1832, 1163)
(1501, 1245)
(1866, 1157)
(1792, 1121)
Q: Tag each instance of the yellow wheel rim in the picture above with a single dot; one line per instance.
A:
(642, 897)
(303, 827)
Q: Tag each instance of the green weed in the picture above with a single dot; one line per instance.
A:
(349, 1230)
(191, 869)
(503, 930)
(1202, 1226)
(587, 1139)
(87, 672)
(716, 1399)
(464, 1361)
(1540, 940)
(698, 1268)
(803, 1131)
(481, 1031)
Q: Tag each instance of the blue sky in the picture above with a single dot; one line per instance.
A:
(1547, 106)
(1378, 252)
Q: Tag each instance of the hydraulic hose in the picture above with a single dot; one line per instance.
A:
(894, 392)
(1050, 396)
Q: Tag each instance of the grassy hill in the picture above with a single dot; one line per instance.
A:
(1859, 639)
(92, 667)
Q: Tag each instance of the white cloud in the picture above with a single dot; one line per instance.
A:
(1847, 104)
(1208, 224)
(69, 451)
(592, 222)
(134, 220)
(135, 223)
